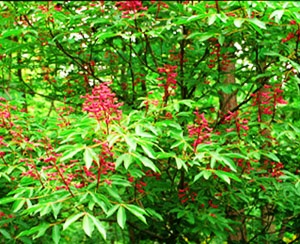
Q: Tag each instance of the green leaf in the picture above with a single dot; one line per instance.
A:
(223, 17)
(12, 32)
(180, 163)
(7, 200)
(70, 153)
(148, 163)
(99, 226)
(211, 19)
(283, 58)
(112, 210)
(97, 199)
(72, 219)
(121, 217)
(238, 22)
(207, 174)
(5, 176)
(198, 176)
(45, 210)
(130, 142)
(89, 156)
(88, 225)
(105, 35)
(56, 207)
(113, 192)
(141, 133)
(258, 23)
(277, 14)
(112, 139)
(235, 155)
(18, 204)
(194, 18)
(221, 39)
(42, 230)
(120, 160)
(164, 155)
(137, 211)
(152, 212)
(149, 151)
(177, 144)
(201, 37)
(222, 176)
(271, 156)
(5, 234)
(56, 234)
(222, 159)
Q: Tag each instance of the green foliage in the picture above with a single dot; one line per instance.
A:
(149, 121)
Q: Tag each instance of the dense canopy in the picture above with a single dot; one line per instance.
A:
(149, 122)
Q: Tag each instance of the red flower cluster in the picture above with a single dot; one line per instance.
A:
(212, 205)
(289, 37)
(245, 165)
(239, 123)
(2, 142)
(139, 184)
(169, 70)
(106, 154)
(184, 194)
(276, 169)
(267, 100)
(130, 7)
(200, 129)
(217, 57)
(102, 104)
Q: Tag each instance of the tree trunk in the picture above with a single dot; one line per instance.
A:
(228, 102)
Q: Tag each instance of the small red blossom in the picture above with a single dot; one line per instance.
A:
(168, 115)
(58, 7)
(92, 63)
(130, 7)
(262, 187)
(50, 159)
(102, 104)
(200, 130)
(210, 203)
(108, 182)
(171, 82)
